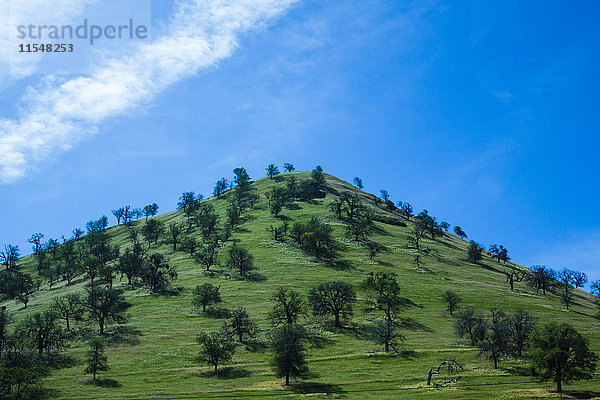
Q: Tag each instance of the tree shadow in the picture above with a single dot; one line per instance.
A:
(582, 394)
(255, 346)
(226, 373)
(339, 265)
(315, 388)
(253, 277)
(293, 206)
(169, 292)
(218, 313)
(105, 383)
(59, 361)
(413, 325)
(123, 334)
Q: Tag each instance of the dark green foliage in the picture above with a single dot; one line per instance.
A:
(499, 252)
(150, 210)
(416, 235)
(315, 238)
(288, 167)
(206, 295)
(240, 259)
(95, 359)
(459, 232)
(174, 233)
(452, 300)
(565, 277)
(361, 227)
(207, 253)
(157, 274)
(68, 308)
(18, 383)
(288, 351)
(105, 305)
(406, 209)
(188, 202)
(152, 230)
(189, 245)
(22, 287)
(358, 182)
(220, 187)
(36, 241)
(272, 170)
(541, 277)
(41, 332)
(386, 332)
(278, 198)
(385, 297)
(241, 177)
(240, 325)
(430, 224)
(520, 326)
(131, 263)
(494, 337)
(9, 257)
(445, 226)
(560, 353)
(513, 276)
(288, 307)
(475, 252)
(374, 248)
(207, 220)
(216, 348)
(332, 298)
(469, 323)
(5, 321)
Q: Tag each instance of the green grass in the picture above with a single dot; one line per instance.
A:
(159, 363)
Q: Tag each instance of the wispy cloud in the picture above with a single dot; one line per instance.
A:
(58, 114)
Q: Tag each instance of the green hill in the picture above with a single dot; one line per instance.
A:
(155, 356)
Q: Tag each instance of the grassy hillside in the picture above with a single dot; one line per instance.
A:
(155, 358)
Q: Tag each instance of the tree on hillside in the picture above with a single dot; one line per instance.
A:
(68, 308)
(188, 202)
(9, 257)
(595, 290)
(541, 278)
(150, 210)
(452, 300)
(220, 187)
(22, 287)
(105, 305)
(288, 167)
(277, 200)
(288, 307)
(131, 263)
(41, 332)
(240, 325)
(520, 325)
(5, 321)
(579, 278)
(207, 253)
(475, 252)
(36, 241)
(157, 274)
(499, 252)
(360, 228)
(174, 233)
(206, 295)
(430, 223)
(352, 205)
(560, 353)
(385, 297)
(272, 170)
(316, 238)
(494, 339)
(513, 276)
(406, 209)
(416, 235)
(216, 348)
(468, 322)
(118, 213)
(240, 259)
(288, 351)
(565, 277)
(332, 298)
(459, 232)
(152, 231)
(95, 359)
(189, 245)
(358, 182)
(384, 195)
(241, 178)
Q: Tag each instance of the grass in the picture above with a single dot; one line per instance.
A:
(154, 358)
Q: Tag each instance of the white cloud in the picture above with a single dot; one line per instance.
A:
(59, 114)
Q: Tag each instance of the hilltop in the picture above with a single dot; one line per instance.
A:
(154, 355)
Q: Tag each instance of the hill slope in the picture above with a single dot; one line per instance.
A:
(156, 357)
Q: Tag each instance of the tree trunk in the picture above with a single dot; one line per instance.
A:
(287, 379)
(337, 319)
(559, 385)
(67, 319)
(215, 367)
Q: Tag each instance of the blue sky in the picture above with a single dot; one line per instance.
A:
(485, 113)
